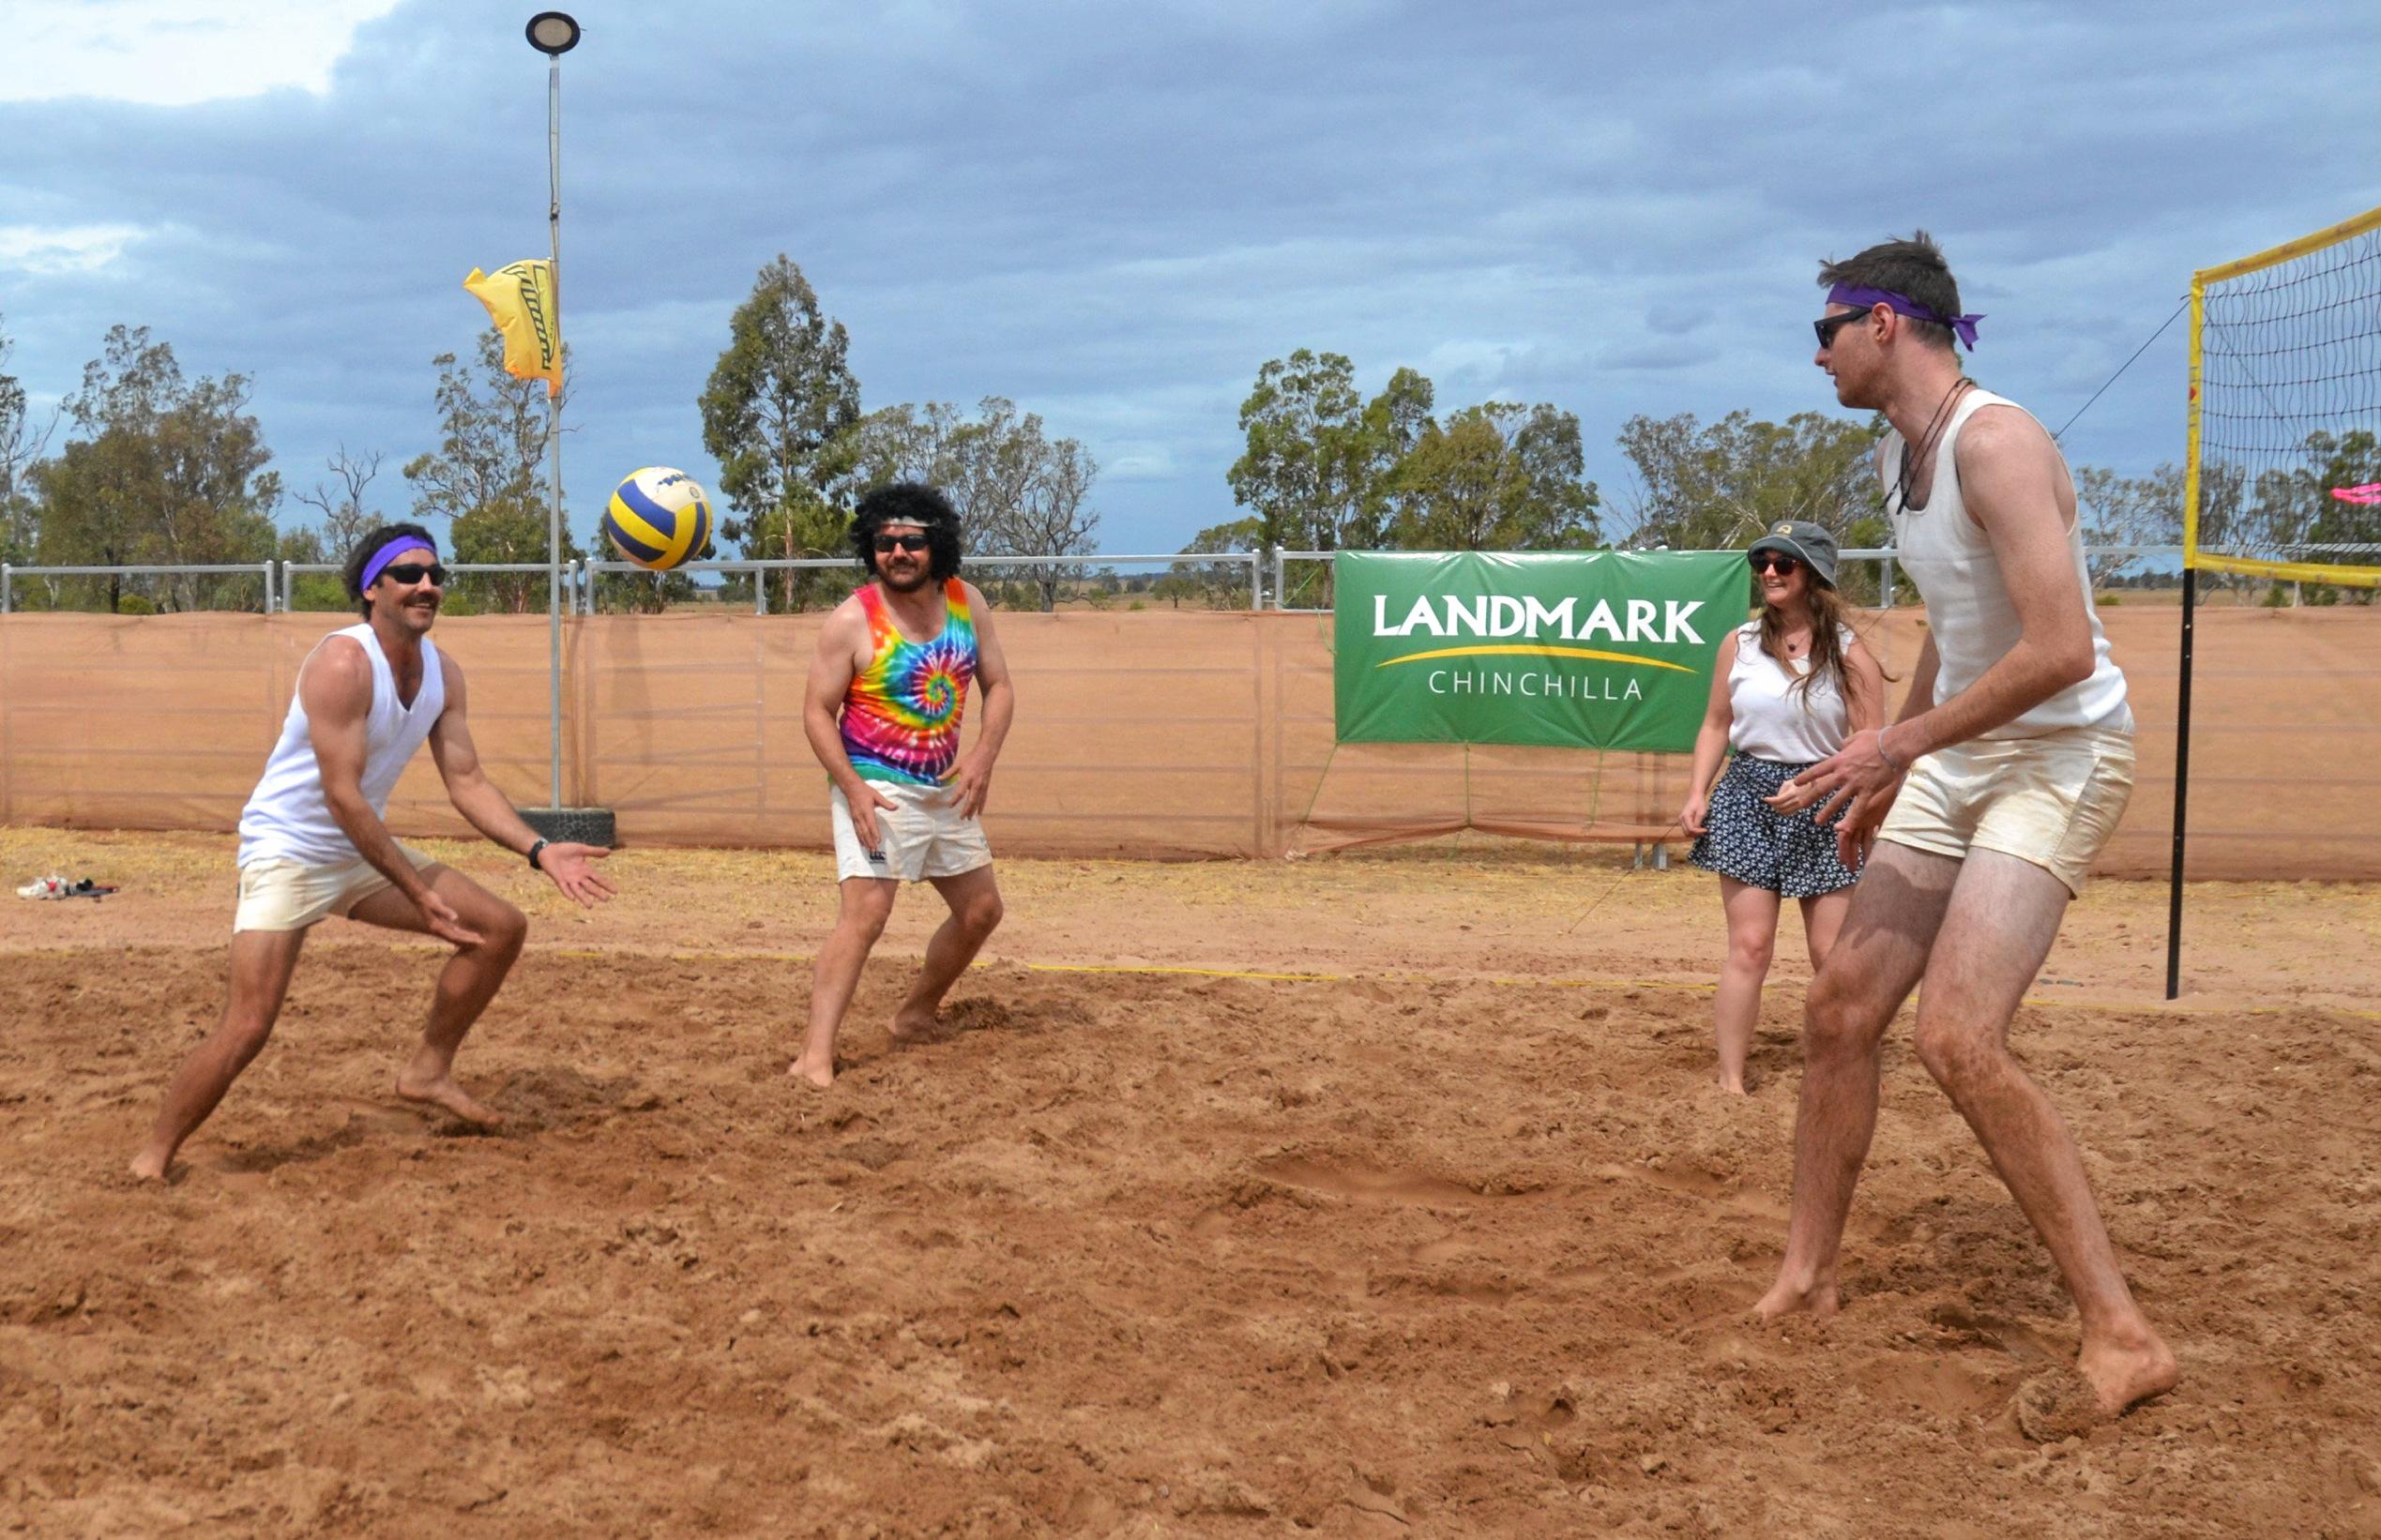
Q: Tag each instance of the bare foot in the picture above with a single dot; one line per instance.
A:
(442, 1091)
(819, 1075)
(1786, 1297)
(2123, 1376)
(915, 1024)
(1733, 1088)
(149, 1166)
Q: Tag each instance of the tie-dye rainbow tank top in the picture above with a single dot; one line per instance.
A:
(900, 716)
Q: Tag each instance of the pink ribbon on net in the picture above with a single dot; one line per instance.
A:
(2369, 493)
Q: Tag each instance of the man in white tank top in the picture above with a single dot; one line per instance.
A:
(2004, 776)
(312, 843)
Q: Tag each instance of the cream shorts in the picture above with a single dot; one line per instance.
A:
(923, 836)
(2052, 801)
(277, 895)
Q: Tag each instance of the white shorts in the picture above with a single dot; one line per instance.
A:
(923, 836)
(277, 895)
(2053, 801)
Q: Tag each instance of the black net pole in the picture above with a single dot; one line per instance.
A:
(2182, 789)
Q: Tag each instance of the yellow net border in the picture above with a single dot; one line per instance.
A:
(2287, 571)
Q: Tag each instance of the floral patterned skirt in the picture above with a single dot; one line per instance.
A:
(1792, 855)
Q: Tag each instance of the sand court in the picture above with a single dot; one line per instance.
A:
(1445, 1232)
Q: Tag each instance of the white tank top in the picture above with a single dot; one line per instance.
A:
(1769, 717)
(286, 817)
(1948, 556)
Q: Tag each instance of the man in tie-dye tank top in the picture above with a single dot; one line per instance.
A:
(882, 713)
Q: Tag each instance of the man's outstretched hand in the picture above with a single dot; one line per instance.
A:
(572, 868)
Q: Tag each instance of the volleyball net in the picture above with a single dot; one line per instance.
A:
(2284, 467)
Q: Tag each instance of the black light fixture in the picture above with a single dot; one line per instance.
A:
(552, 33)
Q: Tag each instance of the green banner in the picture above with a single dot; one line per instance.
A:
(1599, 649)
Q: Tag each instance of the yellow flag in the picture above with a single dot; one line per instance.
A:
(520, 300)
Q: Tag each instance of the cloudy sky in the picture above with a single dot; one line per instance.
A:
(1114, 212)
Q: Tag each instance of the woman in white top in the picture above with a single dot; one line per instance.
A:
(1790, 686)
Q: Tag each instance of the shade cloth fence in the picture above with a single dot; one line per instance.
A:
(1154, 734)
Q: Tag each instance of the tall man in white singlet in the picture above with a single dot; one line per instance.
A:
(882, 713)
(1988, 800)
(312, 843)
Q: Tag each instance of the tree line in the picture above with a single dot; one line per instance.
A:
(141, 464)
(1327, 469)
(152, 468)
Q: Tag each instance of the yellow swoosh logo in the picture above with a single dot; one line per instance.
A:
(1535, 650)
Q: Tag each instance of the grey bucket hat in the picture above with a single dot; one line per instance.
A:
(1806, 542)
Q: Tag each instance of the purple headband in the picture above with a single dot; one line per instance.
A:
(389, 554)
(1845, 294)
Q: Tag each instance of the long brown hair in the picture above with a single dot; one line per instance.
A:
(1826, 639)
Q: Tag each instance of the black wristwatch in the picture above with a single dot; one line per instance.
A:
(535, 851)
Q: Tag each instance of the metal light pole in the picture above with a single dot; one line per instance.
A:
(555, 34)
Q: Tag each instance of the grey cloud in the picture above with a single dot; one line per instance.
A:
(1114, 217)
(1659, 355)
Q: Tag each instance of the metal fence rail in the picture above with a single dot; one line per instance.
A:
(591, 568)
(10, 573)
(579, 576)
(1882, 555)
(1086, 564)
(293, 570)
(1253, 559)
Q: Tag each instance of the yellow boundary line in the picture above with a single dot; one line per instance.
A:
(1690, 985)
(2153, 1007)
(1192, 973)
(2157, 1008)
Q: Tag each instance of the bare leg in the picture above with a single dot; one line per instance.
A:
(975, 909)
(1870, 970)
(1752, 939)
(867, 903)
(469, 980)
(1822, 922)
(2004, 914)
(262, 963)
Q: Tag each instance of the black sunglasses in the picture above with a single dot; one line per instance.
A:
(1827, 326)
(413, 572)
(1774, 561)
(900, 542)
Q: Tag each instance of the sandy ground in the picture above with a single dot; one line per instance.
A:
(1443, 1233)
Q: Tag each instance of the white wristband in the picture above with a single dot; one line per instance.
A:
(1895, 765)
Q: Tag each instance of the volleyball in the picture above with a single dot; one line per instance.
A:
(658, 519)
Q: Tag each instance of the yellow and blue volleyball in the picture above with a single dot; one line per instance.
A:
(658, 519)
